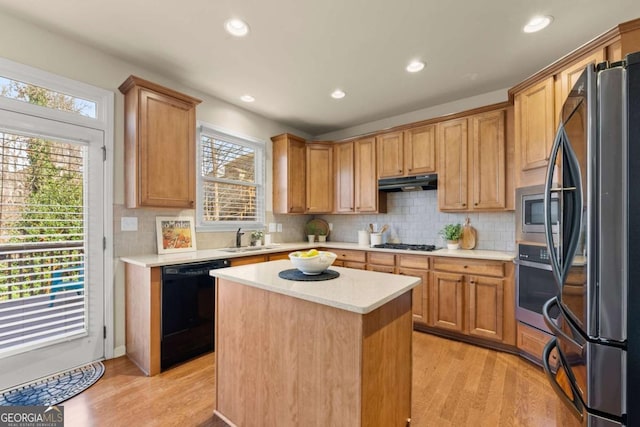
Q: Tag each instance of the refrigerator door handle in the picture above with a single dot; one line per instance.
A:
(552, 325)
(548, 225)
(572, 402)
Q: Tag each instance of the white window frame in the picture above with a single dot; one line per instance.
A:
(260, 155)
(104, 122)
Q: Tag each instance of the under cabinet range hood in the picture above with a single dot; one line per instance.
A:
(409, 183)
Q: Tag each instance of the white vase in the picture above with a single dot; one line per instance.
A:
(322, 239)
(312, 238)
(453, 244)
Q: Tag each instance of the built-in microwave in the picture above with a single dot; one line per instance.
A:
(530, 214)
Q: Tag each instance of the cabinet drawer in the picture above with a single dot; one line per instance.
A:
(469, 266)
(352, 264)
(532, 341)
(381, 258)
(253, 259)
(347, 255)
(381, 268)
(413, 261)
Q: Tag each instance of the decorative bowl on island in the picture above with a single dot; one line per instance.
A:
(313, 261)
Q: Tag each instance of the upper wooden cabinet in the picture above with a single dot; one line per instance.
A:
(406, 153)
(343, 163)
(453, 164)
(319, 179)
(289, 174)
(472, 163)
(356, 182)
(390, 154)
(160, 145)
(538, 100)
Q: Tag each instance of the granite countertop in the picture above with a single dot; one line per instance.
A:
(359, 291)
(155, 260)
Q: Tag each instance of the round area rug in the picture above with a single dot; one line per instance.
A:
(55, 389)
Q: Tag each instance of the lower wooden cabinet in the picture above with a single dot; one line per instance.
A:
(350, 258)
(476, 305)
(531, 342)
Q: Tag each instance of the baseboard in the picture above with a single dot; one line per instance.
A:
(121, 350)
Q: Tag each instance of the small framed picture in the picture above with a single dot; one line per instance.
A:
(175, 234)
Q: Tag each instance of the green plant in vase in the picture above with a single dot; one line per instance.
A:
(452, 233)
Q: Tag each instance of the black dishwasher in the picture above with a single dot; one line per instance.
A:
(188, 304)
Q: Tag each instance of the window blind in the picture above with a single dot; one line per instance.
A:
(42, 242)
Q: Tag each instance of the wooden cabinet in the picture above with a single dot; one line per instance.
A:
(390, 154)
(569, 76)
(474, 298)
(343, 165)
(416, 265)
(160, 145)
(472, 163)
(452, 165)
(383, 262)
(289, 174)
(411, 152)
(356, 188)
(319, 178)
(420, 150)
(350, 258)
(531, 342)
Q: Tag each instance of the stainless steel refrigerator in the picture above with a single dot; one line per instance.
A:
(594, 171)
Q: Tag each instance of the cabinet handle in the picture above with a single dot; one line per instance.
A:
(475, 204)
(465, 266)
(399, 170)
(464, 204)
(410, 169)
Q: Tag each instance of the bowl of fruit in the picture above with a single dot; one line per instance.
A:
(313, 261)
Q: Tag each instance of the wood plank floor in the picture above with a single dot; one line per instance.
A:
(454, 384)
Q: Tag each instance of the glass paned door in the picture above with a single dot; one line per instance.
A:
(51, 228)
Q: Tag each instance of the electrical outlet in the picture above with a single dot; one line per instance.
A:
(279, 228)
(272, 227)
(129, 223)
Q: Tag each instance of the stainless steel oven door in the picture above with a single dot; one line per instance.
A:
(535, 286)
(595, 371)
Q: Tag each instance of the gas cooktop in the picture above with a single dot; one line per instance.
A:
(407, 247)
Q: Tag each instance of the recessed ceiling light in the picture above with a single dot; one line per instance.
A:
(247, 98)
(537, 23)
(337, 94)
(236, 27)
(415, 66)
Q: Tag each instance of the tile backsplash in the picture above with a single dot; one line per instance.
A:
(413, 217)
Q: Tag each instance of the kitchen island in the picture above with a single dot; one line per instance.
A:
(335, 352)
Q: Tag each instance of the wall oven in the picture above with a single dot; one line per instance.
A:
(535, 285)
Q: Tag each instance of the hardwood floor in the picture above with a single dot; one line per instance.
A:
(454, 384)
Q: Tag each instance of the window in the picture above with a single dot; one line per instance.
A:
(230, 181)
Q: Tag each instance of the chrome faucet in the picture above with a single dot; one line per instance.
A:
(239, 238)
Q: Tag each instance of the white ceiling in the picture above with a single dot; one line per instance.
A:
(299, 51)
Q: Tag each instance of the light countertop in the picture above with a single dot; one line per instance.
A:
(155, 260)
(359, 291)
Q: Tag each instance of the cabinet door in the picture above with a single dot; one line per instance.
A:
(319, 178)
(344, 185)
(452, 165)
(166, 151)
(366, 181)
(535, 126)
(446, 301)
(569, 76)
(390, 155)
(419, 293)
(420, 150)
(488, 160)
(485, 307)
(252, 259)
(289, 173)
